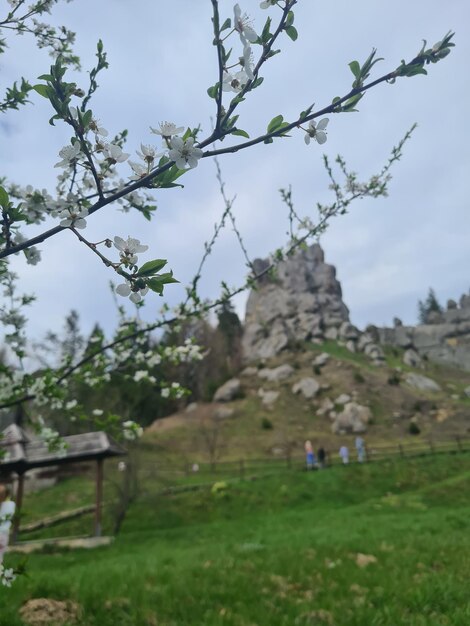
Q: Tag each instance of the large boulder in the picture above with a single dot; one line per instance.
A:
(229, 391)
(423, 383)
(308, 387)
(352, 419)
(302, 301)
(412, 358)
(268, 398)
(321, 360)
(276, 374)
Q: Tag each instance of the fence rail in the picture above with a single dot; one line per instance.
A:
(243, 467)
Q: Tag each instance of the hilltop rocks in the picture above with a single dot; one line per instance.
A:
(308, 387)
(423, 383)
(300, 303)
(445, 338)
(352, 419)
(228, 391)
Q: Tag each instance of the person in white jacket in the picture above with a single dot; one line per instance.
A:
(7, 512)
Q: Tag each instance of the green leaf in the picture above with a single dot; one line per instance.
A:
(266, 35)
(292, 32)
(355, 68)
(167, 278)
(155, 285)
(4, 199)
(240, 133)
(152, 267)
(42, 90)
(257, 82)
(226, 24)
(212, 91)
(275, 123)
(290, 18)
(349, 105)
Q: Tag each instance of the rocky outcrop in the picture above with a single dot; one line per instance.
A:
(445, 338)
(301, 302)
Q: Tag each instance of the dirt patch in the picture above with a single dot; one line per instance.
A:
(47, 612)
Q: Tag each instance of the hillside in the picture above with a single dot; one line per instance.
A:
(245, 426)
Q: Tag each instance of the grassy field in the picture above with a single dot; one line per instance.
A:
(383, 544)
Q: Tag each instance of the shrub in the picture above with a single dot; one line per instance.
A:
(414, 429)
(266, 424)
(394, 379)
(317, 370)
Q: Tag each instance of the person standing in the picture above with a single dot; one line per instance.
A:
(344, 454)
(360, 449)
(309, 456)
(321, 457)
(7, 512)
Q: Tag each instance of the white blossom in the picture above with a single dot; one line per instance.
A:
(316, 131)
(184, 153)
(131, 430)
(266, 4)
(167, 130)
(97, 412)
(247, 60)
(139, 170)
(71, 405)
(148, 153)
(242, 25)
(96, 128)
(70, 155)
(7, 576)
(234, 82)
(114, 154)
(129, 249)
(73, 217)
(139, 375)
(135, 294)
(33, 255)
(165, 392)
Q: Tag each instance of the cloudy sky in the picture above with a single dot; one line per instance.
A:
(387, 252)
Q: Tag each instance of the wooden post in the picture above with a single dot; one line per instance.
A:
(459, 445)
(99, 496)
(431, 446)
(19, 504)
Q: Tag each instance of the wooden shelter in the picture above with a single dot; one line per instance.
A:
(23, 453)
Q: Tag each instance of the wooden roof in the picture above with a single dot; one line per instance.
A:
(23, 452)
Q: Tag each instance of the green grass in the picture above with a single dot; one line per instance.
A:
(276, 551)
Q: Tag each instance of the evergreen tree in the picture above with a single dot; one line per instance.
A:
(430, 305)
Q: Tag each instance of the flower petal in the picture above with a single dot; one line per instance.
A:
(123, 290)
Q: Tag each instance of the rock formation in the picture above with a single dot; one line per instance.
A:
(302, 302)
(445, 338)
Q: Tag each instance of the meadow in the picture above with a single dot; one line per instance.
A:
(381, 544)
